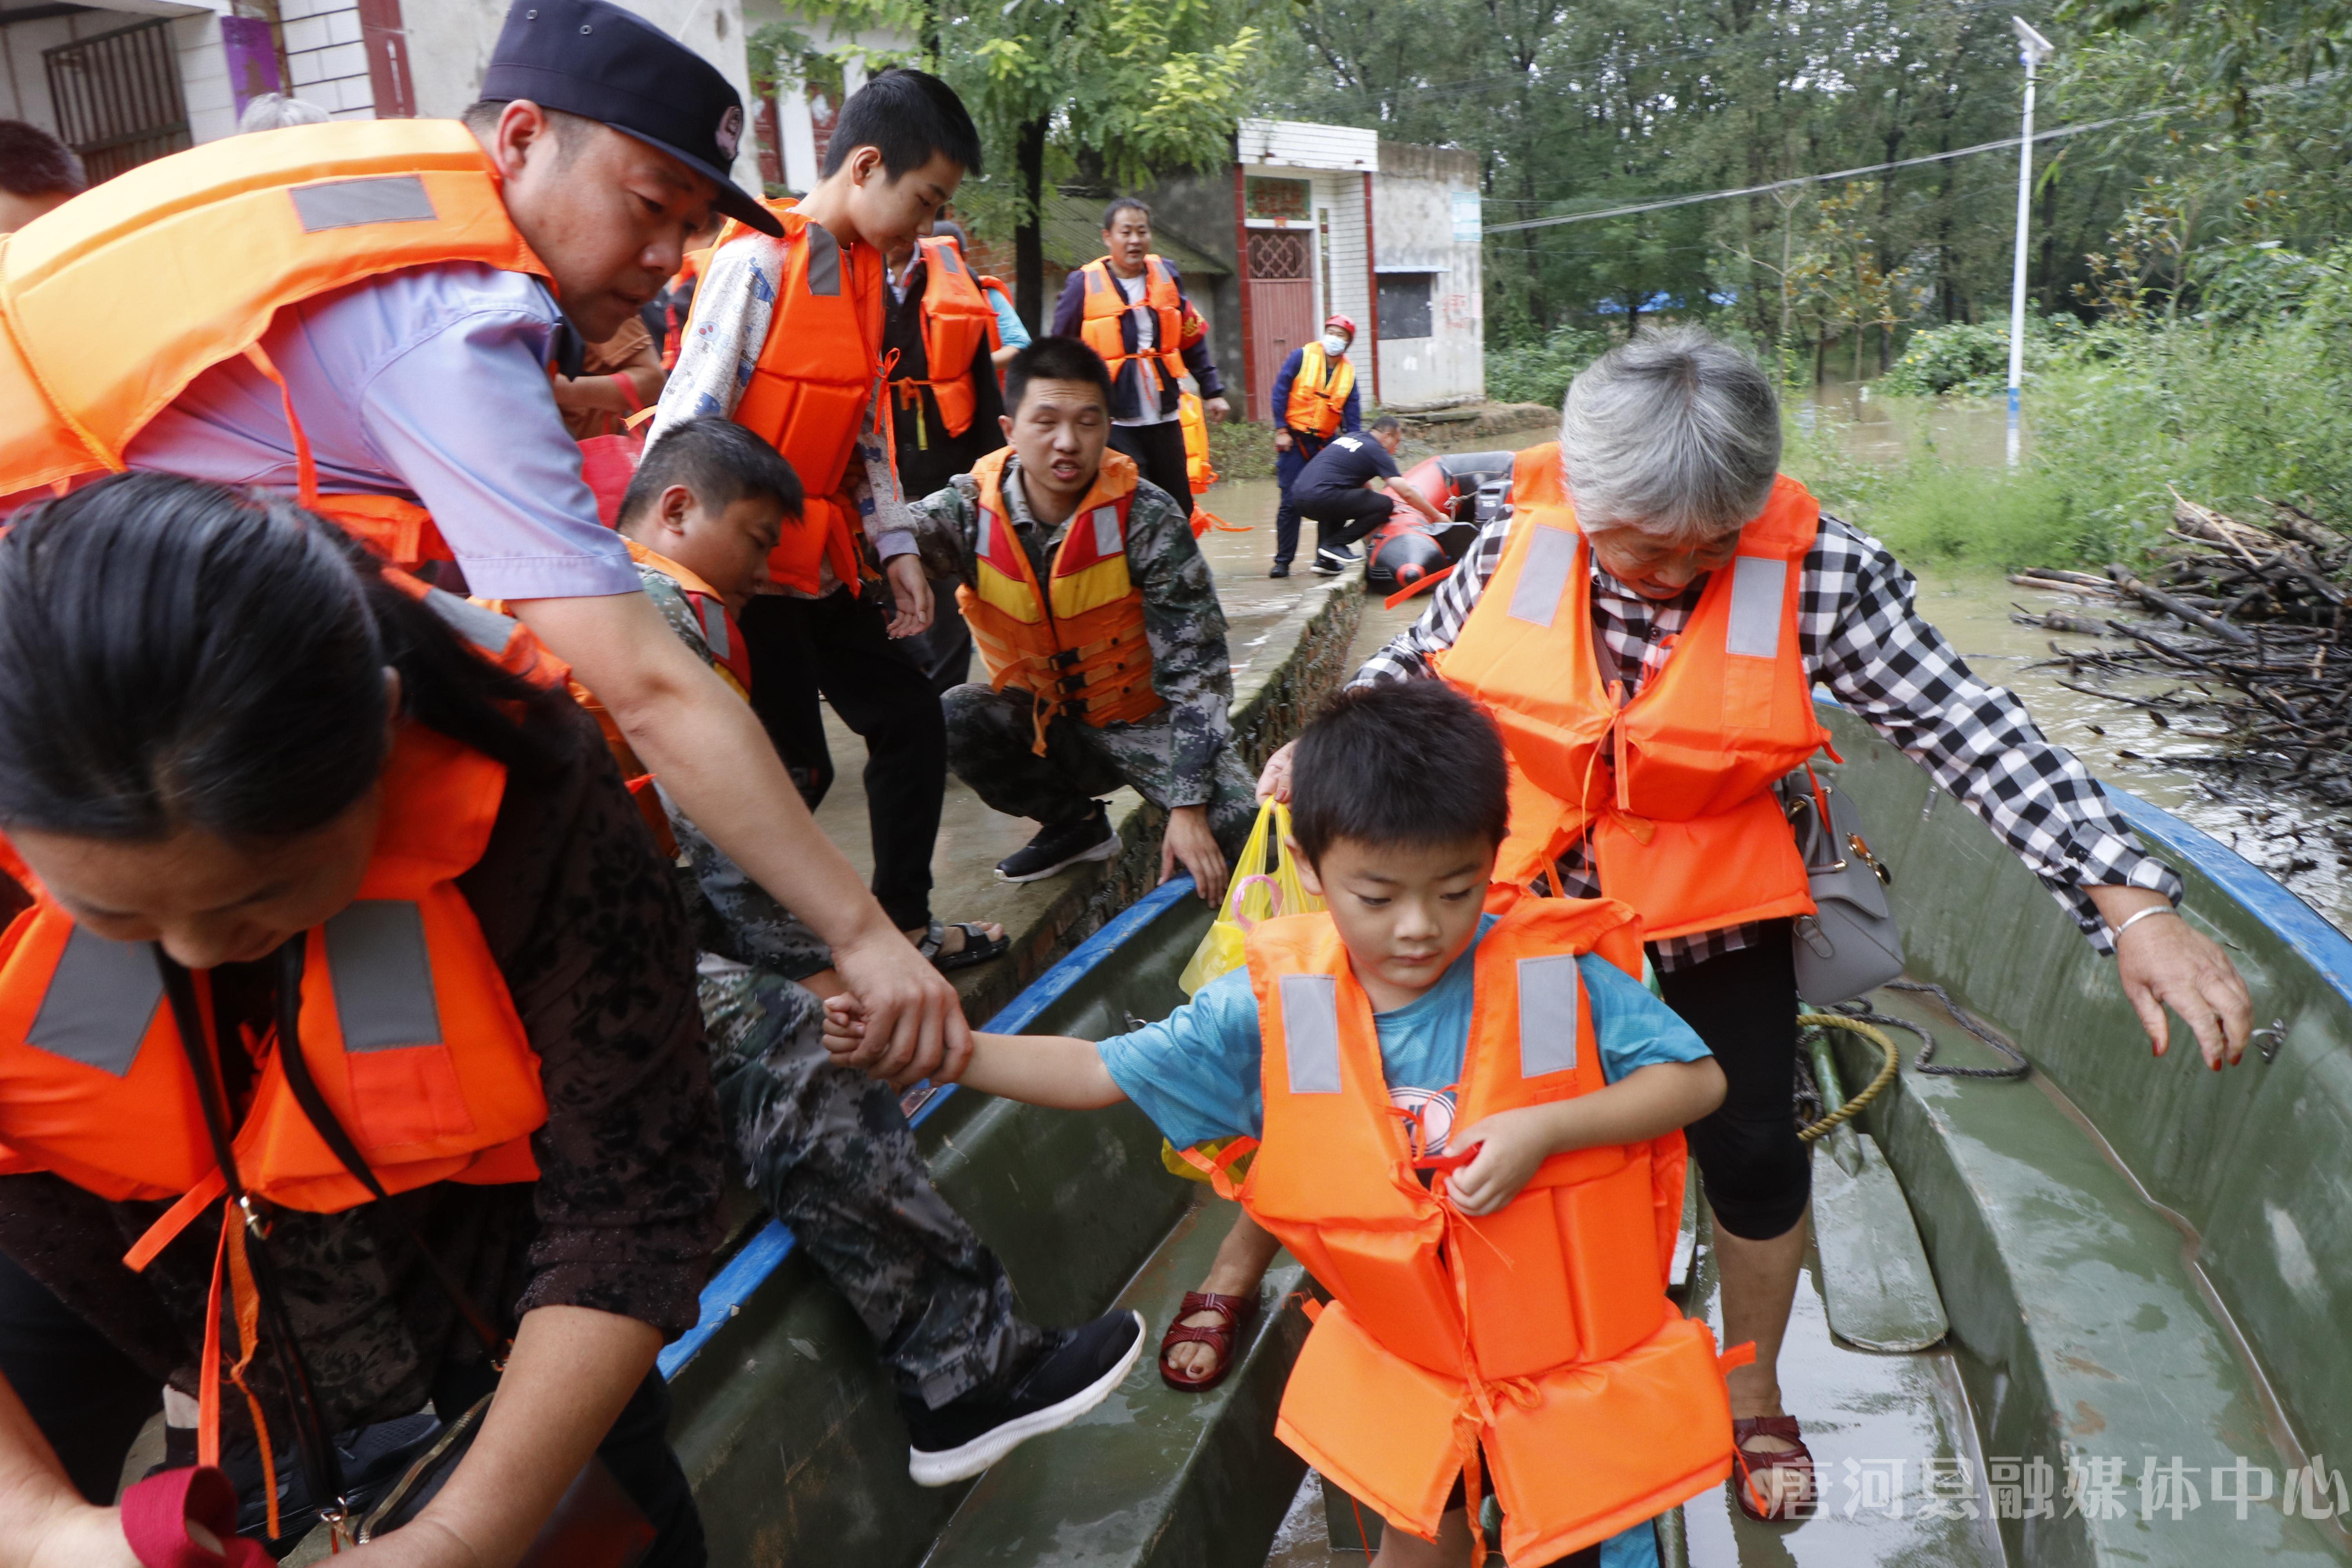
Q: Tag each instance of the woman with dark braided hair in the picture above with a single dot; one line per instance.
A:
(327, 920)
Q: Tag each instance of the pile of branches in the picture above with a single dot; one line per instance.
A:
(2252, 624)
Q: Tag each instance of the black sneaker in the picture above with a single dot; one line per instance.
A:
(1091, 837)
(1281, 569)
(1330, 562)
(966, 1435)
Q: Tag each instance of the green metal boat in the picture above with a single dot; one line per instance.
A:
(2141, 1272)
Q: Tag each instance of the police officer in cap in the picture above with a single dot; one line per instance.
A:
(612, 142)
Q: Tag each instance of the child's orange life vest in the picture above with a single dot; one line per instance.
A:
(211, 243)
(956, 319)
(405, 1021)
(808, 394)
(1078, 645)
(1319, 392)
(1539, 1337)
(1674, 787)
(1105, 311)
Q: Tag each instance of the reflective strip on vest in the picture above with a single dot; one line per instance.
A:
(100, 1002)
(823, 262)
(1758, 585)
(713, 616)
(485, 629)
(1107, 543)
(1547, 1015)
(383, 976)
(1310, 1032)
(1543, 576)
(349, 203)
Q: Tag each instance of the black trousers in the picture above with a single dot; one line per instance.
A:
(1744, 1005)
(1158, 451)
(1287, 466)
(1342, 518)
(839, 649)
(90, 1400)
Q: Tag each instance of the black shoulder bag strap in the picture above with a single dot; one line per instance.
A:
(321, 1470)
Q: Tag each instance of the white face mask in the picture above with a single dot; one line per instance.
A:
(1334, 345)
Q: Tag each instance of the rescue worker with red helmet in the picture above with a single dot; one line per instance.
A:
(344, 988)
(787, 338)
(1465, 1114)
(1648, 628)
(1315, 398)
(1128, 305)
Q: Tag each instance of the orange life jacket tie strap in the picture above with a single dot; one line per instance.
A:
(321, 1470)
(306, 467)
(245, 1300)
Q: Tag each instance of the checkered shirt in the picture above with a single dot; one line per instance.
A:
(1863, 639)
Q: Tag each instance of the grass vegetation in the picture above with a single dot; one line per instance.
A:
(2244, 402)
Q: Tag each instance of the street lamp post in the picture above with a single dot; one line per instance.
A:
(2033, 48)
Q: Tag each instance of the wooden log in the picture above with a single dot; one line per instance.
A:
(2157, 599)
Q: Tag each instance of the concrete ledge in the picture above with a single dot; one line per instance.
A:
(1300, 660)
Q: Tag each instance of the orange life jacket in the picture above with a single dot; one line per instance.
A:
(1674, 787)
(240, 227)
(1319, 392)
(956, 316)
(719, 632)
(1105, 328)
(1541, 1336)
(807, 396)
(406, 1027)
(1079, 647)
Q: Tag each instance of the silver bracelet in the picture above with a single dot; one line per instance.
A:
(2116, 934)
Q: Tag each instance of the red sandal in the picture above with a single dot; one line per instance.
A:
(1747, 1467)
(1236, 1312)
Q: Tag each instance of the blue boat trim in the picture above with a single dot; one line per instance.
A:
(2303, 929)
(748, 1269)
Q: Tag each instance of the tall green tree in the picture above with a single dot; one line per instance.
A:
(1134, 88)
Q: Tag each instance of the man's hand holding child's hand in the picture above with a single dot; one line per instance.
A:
(845, 1039)
(1511, 1145)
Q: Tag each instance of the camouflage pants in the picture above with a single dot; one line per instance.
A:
(990, 735)
(830, 1151)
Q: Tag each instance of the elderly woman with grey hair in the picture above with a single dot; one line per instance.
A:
(1664, 597)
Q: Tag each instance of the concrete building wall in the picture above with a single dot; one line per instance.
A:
(449, 44)
(330, 65)
(1199, 210)
(1416, 197)
(204, 77)
(195, 40)
(1301, 144)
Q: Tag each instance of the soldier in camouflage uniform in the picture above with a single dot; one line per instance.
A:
(1178, 757)
(828, 1148)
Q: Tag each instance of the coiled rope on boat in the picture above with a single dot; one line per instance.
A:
(1886, 1069)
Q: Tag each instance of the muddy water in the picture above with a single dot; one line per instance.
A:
(2301, 843)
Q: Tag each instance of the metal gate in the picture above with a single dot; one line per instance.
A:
(118, 97)
(1281, 297)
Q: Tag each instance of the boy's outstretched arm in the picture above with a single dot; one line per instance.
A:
(1646, 1104)
(1054, 1070)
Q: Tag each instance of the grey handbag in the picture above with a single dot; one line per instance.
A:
(1849, 945)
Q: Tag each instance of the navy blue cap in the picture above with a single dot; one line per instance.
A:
(593, 59)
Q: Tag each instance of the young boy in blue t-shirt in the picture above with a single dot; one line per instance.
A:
(1467, 1127)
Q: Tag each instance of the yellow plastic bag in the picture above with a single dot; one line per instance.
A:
(1265, 884)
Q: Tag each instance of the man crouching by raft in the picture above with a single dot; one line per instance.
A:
(1466, 1116)
(348, 1056)
(1662, 601)
(1096, 614)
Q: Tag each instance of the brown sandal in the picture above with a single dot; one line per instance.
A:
(1747, 1467)
(1236, 1312)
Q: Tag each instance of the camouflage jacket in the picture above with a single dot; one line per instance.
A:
(734, 916)
(1190, 668)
